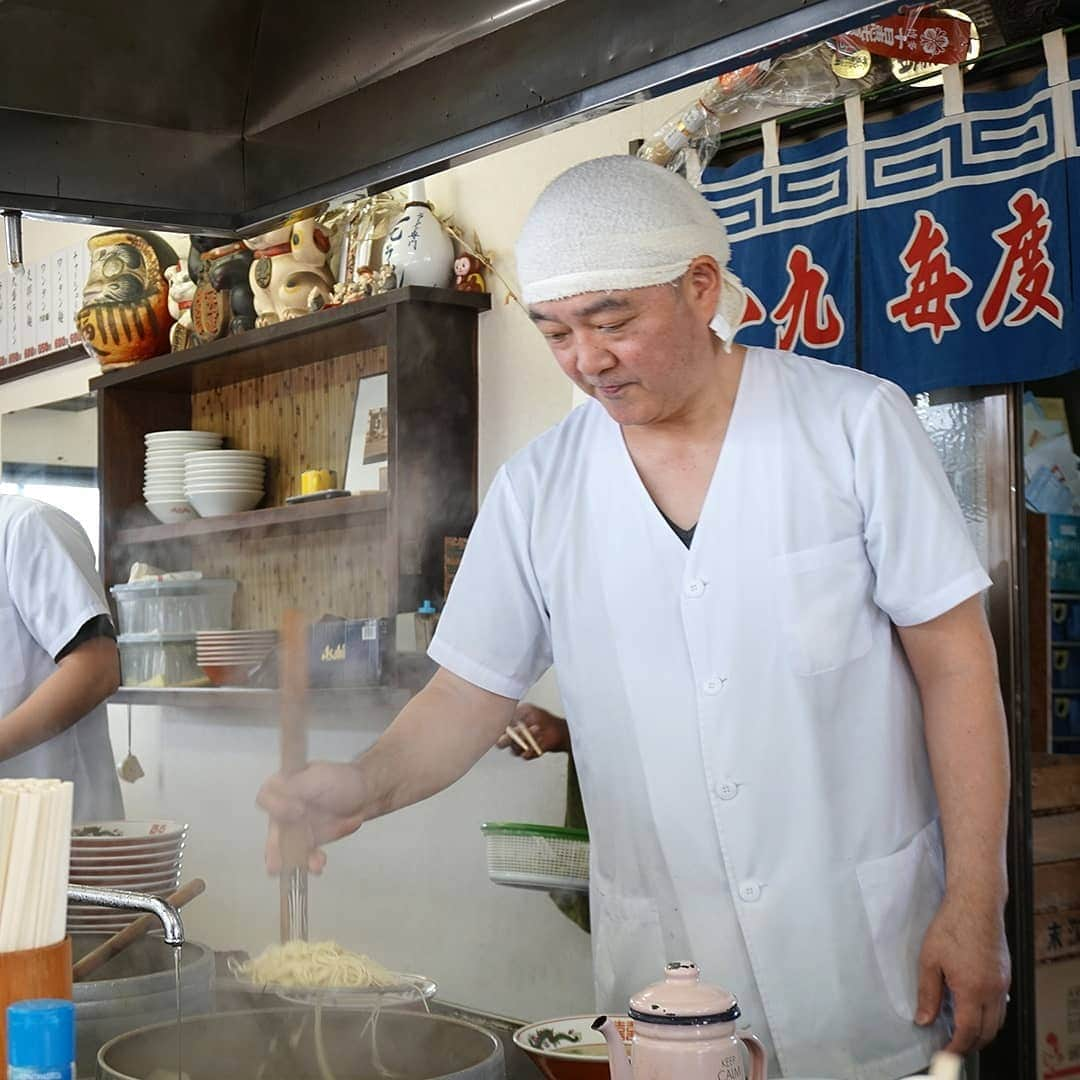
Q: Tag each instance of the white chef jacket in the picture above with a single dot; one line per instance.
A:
(49, 590)
(746, 728)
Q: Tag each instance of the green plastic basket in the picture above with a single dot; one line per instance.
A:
(537, 856)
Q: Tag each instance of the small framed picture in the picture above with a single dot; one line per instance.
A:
(369, 439)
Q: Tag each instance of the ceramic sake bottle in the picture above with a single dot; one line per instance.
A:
(417, 245)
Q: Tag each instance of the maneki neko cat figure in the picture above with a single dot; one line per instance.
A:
(288, 268)
(181, 293)
(223, 302)
(125, 314)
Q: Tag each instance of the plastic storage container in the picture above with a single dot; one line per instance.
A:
(174, 607)
(159, 660)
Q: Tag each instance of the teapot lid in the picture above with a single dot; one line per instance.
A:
(682, 998)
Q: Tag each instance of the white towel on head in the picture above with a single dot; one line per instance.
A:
(622, 223)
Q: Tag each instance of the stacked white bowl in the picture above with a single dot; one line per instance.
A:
(163, 473)
(224, 481)
(139, 856)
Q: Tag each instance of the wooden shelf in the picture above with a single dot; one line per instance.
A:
(239, 697)
(282, 346)
(288, 392)
(70, 354)
(276, 519)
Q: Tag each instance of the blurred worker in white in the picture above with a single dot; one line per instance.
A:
(58, 657)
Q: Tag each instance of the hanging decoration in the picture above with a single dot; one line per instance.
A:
(932, 249)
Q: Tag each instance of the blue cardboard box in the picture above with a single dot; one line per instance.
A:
(349, 652)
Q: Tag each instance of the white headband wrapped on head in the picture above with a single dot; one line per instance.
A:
(622, 223)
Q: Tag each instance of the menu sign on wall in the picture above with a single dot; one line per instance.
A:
(12, 351)
(44, 312)
(28, 311)
(60, 307)
(38, 302)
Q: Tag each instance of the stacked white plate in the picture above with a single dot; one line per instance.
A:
(163, 474)
(140, 856)
(227, 656)
(224, 481)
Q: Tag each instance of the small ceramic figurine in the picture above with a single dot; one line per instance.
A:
(125, 314)
(364, 284)
(290, 263)
(386, 278)
(181, 293)
(468, 274)
(317, 298)
(223, 303)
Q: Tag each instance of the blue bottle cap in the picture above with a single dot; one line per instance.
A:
(426, 608)
(41, 1033)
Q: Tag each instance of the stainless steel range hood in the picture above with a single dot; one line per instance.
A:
(223, 116)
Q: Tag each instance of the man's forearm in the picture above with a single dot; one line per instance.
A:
(956, 668)
(442, 732)
(969, 756)
(82, 680)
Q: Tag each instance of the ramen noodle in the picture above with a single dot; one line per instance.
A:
(320, 964)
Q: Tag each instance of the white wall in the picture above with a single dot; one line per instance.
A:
(411, 889)
(50, 437)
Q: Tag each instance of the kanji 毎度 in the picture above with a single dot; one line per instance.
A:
(1024, 271)
(933, 283)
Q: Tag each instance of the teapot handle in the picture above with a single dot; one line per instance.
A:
(758, 1057)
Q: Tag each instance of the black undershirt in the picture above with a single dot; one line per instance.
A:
(685, 535)
(98, 626)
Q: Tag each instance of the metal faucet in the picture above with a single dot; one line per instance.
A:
(167, 915)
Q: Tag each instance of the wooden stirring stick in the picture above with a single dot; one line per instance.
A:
(131, 933)
(293, 839)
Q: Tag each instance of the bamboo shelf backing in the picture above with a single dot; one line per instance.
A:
(339, 572)
(299, 419)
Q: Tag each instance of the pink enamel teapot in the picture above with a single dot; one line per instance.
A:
(683, 1030)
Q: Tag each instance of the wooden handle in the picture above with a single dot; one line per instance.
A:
(141, 926)
(294, 684)
(293, 840)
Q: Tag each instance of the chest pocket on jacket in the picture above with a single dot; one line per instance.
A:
(826, 605)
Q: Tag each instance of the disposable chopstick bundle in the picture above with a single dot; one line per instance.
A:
(35, 841)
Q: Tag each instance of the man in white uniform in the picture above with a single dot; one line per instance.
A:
(763, 609)
(60, 661)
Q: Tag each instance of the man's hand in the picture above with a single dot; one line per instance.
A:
(439, 735)
(326, 798)
(965, 950)
(551, 732)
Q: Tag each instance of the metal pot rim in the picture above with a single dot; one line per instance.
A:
(170, 1025)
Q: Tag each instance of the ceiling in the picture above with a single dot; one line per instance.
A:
(226, 116)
